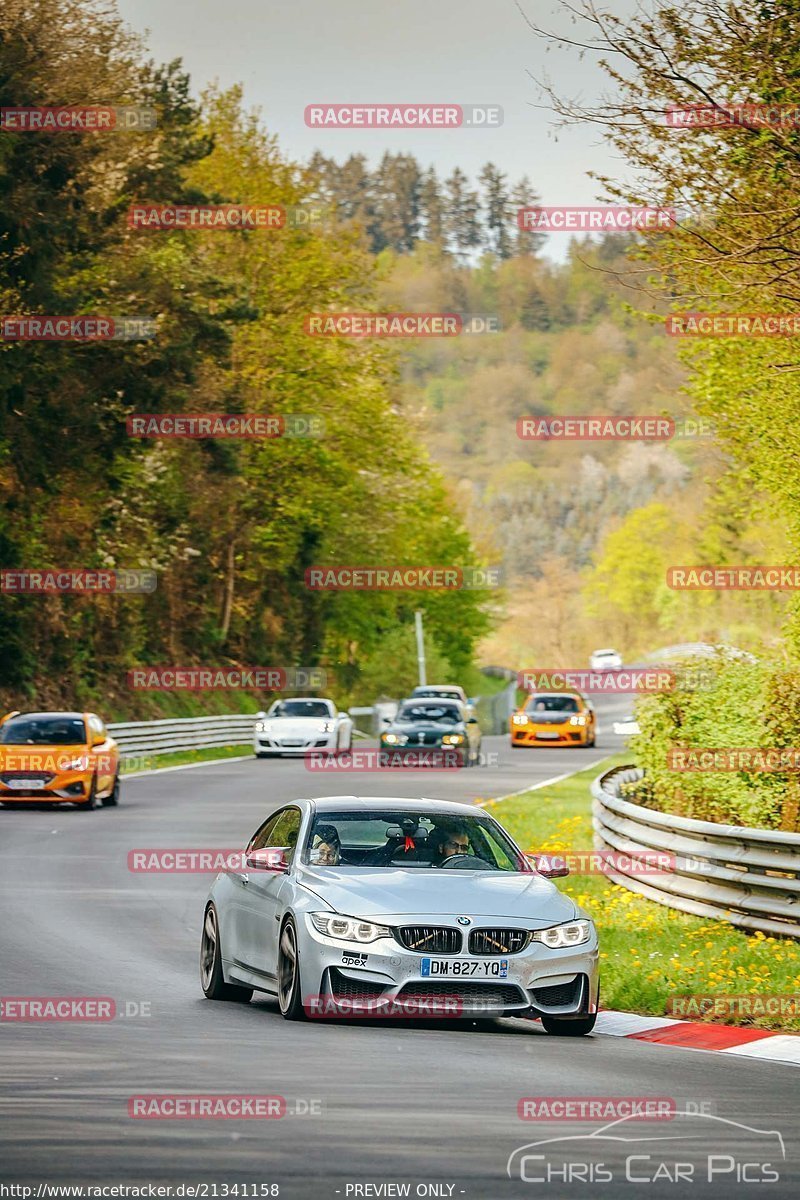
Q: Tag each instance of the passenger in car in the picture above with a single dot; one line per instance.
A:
(326, 848)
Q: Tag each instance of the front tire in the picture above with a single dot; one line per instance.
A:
(212, 980)
(345, 749)
(112, 799)
(290, 998)
(559, 1027)
(91, 801)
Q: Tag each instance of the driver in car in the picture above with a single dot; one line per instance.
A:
(449, 842)
(326, 848)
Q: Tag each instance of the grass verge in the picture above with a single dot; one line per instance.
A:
(179, 758)
(649, 953)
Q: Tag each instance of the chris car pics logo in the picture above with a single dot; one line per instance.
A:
(693, 1147)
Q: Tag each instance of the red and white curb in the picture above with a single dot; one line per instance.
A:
(696, 1035)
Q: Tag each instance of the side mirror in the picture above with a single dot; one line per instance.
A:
(260, 716)
(98, 739)
(549, 867)
(386, 721)
(472, 720)
(271, 858)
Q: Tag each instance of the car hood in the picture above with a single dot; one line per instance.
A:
(549, 718)
(288, 726)
(426, 726)
(365, 892)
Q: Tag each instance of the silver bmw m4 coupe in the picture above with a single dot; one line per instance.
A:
(382, 907)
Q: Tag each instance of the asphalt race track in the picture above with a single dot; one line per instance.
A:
(368, 1104)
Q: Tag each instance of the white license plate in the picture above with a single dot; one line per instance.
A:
(549, 735)
(462, 968)
(25, 785)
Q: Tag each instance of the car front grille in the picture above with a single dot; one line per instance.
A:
(471, 993)
(558, 995)
(429, 939)
(427, 737)
(498, 941)
(353, 989)
(43, 777)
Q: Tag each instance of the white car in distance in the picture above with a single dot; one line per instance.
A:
(301, 725)
(605, 660)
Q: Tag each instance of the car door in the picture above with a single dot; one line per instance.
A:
(261, 895)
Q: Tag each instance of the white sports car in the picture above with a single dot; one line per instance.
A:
(605, 660)
(366, 906)
(301, 726)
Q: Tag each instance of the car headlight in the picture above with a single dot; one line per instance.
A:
(327, 727)
(519, 719)
(452, 739)
(263, 727)
(394, 739)
(577, 720)
(348, 929)
(574, 933)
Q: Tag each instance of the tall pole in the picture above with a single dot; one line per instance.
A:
(420, 648)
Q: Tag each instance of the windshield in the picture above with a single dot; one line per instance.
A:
(300, 708)
(442, 693)
(439, 714)
(43, 731)
(415, 840)
(566, 704)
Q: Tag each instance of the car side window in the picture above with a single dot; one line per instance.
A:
(259, 840)
(281, 829)
(285, 830)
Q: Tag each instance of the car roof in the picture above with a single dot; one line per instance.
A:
(438, 687)
(367, 803)
(550, 695)
(37, 716)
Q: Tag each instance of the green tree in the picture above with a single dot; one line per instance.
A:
(497, 209)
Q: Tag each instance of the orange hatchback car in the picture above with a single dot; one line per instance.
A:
(57, 757)
(554, 719)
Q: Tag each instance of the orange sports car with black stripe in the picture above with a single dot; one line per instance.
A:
(554, 719)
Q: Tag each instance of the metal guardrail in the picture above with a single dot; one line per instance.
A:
(142, 738)
(747, 877)
(189, 733)
(495, 711)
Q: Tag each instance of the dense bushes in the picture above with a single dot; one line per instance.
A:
(736, 705)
